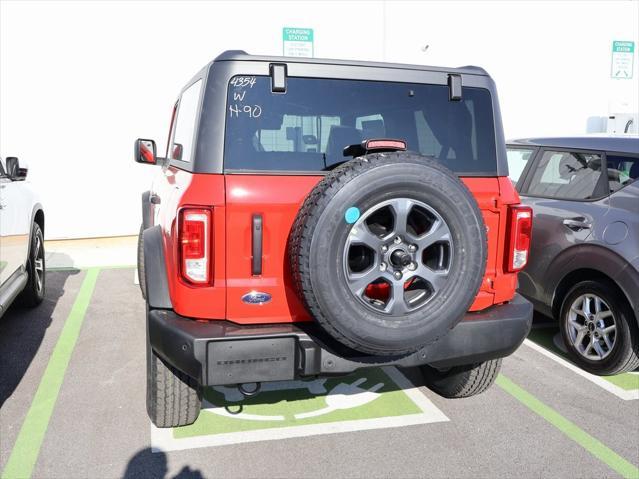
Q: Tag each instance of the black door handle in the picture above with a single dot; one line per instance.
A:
(256, 237)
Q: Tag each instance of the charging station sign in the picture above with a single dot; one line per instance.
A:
(623, 53)
(298, 42)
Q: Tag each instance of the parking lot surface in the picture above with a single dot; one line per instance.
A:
(72, 396)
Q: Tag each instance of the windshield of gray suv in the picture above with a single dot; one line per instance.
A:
(307, 127)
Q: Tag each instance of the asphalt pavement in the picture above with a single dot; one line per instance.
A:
(72, 405)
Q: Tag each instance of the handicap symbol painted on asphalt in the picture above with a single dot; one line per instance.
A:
(368, 399)
(342, 396)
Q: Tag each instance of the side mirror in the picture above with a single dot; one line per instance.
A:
(14, 171)
(144, 152)
(177, 152)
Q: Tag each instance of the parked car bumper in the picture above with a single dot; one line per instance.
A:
(222, 352)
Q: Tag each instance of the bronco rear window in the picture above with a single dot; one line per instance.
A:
(308, 127)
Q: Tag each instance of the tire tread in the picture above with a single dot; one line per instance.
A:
(173, 398)
(463, 381)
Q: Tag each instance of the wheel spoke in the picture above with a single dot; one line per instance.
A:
(578, 312)
(439, 232)
(437, 279)
(598, 348)
(397, 304)
(360, 234)
(580, 338)
(604, 314)
(609, 329)
(358, 282)
(586, 305)
(588, 349)
(401, 209)
(576, 325)
(607, 341)
(597, 304)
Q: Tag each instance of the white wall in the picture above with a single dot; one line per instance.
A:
(79, 81)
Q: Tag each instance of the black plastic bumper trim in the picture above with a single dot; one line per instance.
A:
(222, 352)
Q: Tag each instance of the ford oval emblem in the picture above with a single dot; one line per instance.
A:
(256, 297)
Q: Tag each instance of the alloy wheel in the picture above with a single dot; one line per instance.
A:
(398, 256)
(591, 327)
(38, 262)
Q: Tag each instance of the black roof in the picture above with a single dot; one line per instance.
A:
(240, 55)
(619, 144)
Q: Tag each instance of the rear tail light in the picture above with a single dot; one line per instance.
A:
(194, 244)
(519, 235)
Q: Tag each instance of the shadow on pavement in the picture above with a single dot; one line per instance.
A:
(154, 464)
(22, 331)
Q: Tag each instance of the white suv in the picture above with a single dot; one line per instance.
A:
(22, 265)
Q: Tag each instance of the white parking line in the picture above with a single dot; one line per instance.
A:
(626, 395)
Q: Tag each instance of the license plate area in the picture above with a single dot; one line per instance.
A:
(251, 360)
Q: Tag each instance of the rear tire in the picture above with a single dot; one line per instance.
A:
(461, 381)
(623, 355)
(33, 293)
(141, 276)
(172, 398)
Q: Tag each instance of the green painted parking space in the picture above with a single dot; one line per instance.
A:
(549, 338)
(368, 399)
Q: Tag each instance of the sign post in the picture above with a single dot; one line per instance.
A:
(297, 42)
(623, 53)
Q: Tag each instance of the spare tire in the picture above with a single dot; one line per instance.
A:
(388, 252)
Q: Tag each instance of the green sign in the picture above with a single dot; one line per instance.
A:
(623, 53)
(297, 42)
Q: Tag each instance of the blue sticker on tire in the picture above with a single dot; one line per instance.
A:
(352, 215)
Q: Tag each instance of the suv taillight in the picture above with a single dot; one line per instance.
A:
(194, 244)
(519, 234)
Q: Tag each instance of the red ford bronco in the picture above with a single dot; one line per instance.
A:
(313, 217)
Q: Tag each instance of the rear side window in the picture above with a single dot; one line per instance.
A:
(182, 146)
(567, 175)
(308, 127)
(622, 170)
(518, 158)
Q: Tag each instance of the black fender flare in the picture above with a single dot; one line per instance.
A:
(36, 207)
(157, 284)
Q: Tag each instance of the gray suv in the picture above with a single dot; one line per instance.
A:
(584, 257)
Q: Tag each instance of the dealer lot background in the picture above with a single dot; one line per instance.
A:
(79, 81)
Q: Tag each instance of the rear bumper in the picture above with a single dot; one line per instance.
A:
(221, 352)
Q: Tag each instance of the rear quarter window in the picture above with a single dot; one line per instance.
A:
(307, 127)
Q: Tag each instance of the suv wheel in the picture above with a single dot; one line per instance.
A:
(172, 398)
(599, 328)
(33, 293)
(388, 252)
(461, 381)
